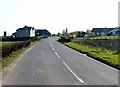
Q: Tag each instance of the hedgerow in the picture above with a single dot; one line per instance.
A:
(9, 47)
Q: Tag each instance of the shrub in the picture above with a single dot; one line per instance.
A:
(9, 47)
(64, 39)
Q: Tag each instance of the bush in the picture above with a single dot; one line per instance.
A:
(9, 47)
(64, 39)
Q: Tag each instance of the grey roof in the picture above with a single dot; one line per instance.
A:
(25, 27)
(41, 30)
(102, 29)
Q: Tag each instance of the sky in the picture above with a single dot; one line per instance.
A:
(56, 15)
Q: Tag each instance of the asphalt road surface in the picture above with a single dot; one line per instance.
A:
(51, 63)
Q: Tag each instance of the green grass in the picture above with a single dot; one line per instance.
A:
(9, 59)
(105, 37)
(107, 56)
(98, 37)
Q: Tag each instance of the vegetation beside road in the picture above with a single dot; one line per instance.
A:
(9, 47)
(5, 61)
(10, 50)
(98, 37)
(107, 56)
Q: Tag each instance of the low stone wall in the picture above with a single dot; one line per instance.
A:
(113, 44)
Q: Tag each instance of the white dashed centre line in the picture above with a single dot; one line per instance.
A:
(33, 74)
(80, 80)
(73, 73)
(57, 54)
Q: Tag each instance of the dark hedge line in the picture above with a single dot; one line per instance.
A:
(9, 38)
(64, 39)
(9, 47)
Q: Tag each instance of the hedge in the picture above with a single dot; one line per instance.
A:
(64, 39)
(9, 47)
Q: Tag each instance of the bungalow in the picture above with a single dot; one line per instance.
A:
(25, 32)
(105, 31)
(114, 32)
(42, 32)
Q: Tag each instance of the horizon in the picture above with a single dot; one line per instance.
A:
(56, 15)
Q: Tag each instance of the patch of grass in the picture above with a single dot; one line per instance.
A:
(9, 59)
(98, 37)
(107, 56)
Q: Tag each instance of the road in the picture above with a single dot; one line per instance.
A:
(51, 63)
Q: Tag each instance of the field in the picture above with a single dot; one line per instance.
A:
(107, 56)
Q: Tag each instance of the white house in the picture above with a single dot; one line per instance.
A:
(25, 32)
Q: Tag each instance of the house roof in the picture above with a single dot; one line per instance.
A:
(42, 30)
(102, 29)
(25, 27)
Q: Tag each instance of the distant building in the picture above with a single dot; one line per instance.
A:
(114, 32)
(80, 34)
(42, 32)
(72, 34)
(77, 34)
(105, 31)
(25, 32)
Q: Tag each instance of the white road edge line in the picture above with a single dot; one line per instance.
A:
(73, 73)
(95, 60)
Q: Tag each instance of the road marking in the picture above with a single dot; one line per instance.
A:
(57, 54)
(67, 65)
(33, 74)
(53, 49)
(40, 70)
(96, 60)
(73, 73)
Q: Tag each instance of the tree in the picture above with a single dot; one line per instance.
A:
(58, 34)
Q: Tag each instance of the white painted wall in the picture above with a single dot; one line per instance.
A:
(32, 33)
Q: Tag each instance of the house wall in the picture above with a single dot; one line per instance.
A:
(32, 33)
(114, 31)
(99, 33)
(103, 34)
(23, 33)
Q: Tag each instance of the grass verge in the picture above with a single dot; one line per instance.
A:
(9, 59)
(106, 56)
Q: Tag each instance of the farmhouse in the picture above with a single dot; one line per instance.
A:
(42, 32)
(25, 32)
(105, 31)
